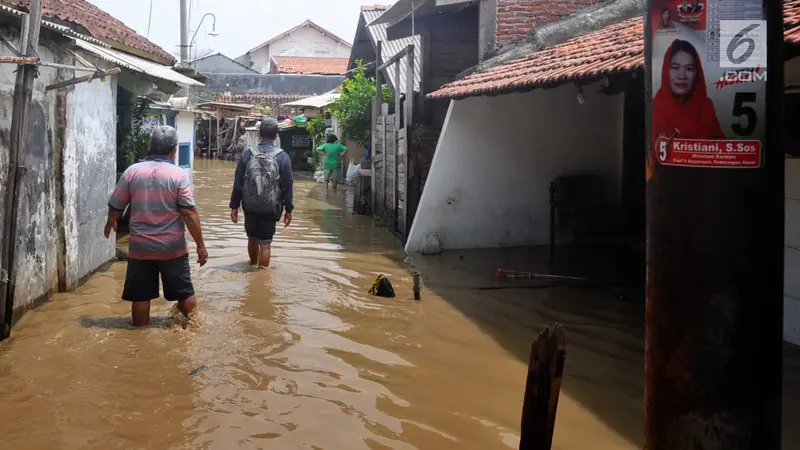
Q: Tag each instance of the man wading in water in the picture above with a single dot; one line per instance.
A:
(263, 186)
(162, 207)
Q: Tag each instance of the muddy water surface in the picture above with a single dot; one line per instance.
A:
(298, 356)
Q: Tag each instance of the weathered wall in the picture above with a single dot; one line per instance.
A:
(791, 317)
(267, 84)
(489, 181)
(89, 176)
(81, 139)
(452, 43)
(37, 245)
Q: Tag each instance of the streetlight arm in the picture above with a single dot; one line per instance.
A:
(213, 26)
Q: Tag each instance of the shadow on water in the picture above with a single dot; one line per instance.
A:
(124, 323)
(605, 325)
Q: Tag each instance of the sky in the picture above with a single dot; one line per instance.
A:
(241, 24)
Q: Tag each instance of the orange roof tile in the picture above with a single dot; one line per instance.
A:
(311, 66)
(615, 48)
(97, 22)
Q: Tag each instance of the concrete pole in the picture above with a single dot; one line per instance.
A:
(184, 33)
(713, 353)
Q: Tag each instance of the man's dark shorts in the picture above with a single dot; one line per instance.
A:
(260, 227)
(141, 280)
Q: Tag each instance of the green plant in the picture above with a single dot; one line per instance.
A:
(354, 107)
(136, 142)
(316, 129)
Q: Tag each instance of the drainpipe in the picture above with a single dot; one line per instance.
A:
(23, 92)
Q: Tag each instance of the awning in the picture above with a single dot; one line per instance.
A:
(319, 101)
(228, 106)
(136, 64)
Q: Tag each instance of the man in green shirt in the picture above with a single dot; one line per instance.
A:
(334, 154)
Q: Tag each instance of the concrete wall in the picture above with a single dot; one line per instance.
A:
(89, 176)
(791, 317)
(306, 41)
(267, 84)
(489, 181)
(59, 231)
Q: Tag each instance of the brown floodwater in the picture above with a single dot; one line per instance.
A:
(300, 356)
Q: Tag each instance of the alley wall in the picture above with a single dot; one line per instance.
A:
(90, 165)
(69, 173)
(489, 181)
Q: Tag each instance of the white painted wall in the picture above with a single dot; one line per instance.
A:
(489, 181)
(89, 176)
(185, 125)
(791, 316)
(306, 41)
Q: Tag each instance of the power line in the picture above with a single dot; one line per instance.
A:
(150, 19)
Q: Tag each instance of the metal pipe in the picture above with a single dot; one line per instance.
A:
(184, 33)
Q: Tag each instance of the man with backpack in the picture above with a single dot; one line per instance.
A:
(264, 188)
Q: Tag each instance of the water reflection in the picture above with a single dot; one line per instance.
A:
(295, 357)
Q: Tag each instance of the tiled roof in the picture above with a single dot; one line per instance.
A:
(615, 48)
(274, 101)
(791, 21)
(97, 22)
(311, 66)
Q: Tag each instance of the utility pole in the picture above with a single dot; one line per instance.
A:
(23, 92)
(715, 225)
(184, 33)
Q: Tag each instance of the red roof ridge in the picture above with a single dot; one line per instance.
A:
(98, 23)
(309, 65)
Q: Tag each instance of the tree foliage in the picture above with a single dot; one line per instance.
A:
(354, 108)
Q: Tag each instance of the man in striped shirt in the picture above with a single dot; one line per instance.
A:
(160, 197)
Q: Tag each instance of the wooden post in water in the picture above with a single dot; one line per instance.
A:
(715, 226)
(542, 388)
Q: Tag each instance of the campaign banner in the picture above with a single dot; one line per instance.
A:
(709, 76)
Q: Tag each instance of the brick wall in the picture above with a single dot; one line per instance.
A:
(517, 18)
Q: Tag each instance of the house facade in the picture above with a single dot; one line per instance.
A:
(589, 119)
(307, 40)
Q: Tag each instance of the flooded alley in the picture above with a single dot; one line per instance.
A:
(300, 356)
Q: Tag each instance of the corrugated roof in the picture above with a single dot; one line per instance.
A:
(136, 64)
(311, 65)
(319, 101)
(390, 48)
(97, 22)
(613, 49)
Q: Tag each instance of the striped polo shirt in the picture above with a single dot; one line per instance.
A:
(157, 190)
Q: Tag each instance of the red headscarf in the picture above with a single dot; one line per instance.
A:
(695, 116)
